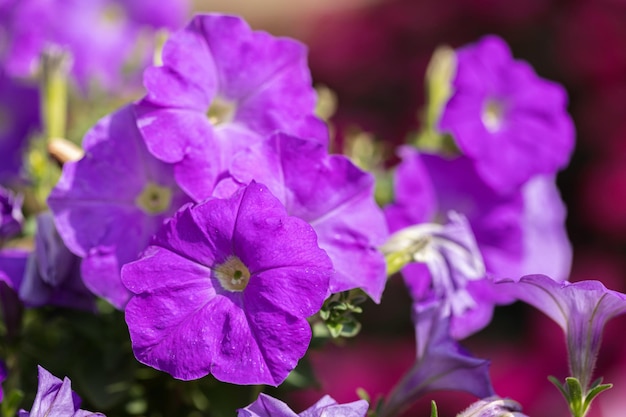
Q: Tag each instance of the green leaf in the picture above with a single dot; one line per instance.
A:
(11, 403)
(433, 409)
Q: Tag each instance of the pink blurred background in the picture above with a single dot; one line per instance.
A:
(373, 54)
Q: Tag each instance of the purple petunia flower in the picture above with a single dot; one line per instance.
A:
(512, 124)
(19, 118)
(441, 364)
(12, 267)
(517, 234)
(52, 275)
(221, 88)
(108, 204)
(11, 217)
(266, 406)
(349, 224)
(100, 35)
(581, 309)
(55, 398)
(225, 289)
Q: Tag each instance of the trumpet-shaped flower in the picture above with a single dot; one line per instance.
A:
(55, 398)
(225, 289)
(581, 309)
(266, 406)
(52, 274)
(511, 123)
(441, 363)
(221, 88)
(349, 224)
(108, 204)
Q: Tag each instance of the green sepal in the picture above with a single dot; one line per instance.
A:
(593, 393)
(433, 409)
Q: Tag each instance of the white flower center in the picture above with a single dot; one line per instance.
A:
(493, 115)
(154, 199)
(221, 111)
(233, 274)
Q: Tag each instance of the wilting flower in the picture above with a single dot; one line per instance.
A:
(499, 109)
(350, 226)
(19, 117)
(493, 407)
(266, 406)
(441, 363)
(225, 289)
(581, 309)
(52, 275)
(55, 398)
(11, 217)
(108, 204)
(221, 88)
(100, 35)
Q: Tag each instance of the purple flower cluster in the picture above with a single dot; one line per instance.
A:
(266, 406)
(513, 134)
(217, 273)
(99, 35)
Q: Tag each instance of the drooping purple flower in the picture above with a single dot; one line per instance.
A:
(100, 35)
(581, 309)
(221, 88)
(108, 204)
(441, 364)
(55, 398)
(12, 267)
(332, 195)
(225, 289)
(267, 406)
(510, 122)
(493, 407)
(19, 118)
(52, 275)
(11, 217)
(517, 234)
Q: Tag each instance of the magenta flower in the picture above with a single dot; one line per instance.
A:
(55, 398)
(511, 123)
(221, 88)
(441, 364)
(52, 274)
(350, 226)
(107, 205)
(266, 406)
(100, 35)
(581, 309)
(225, 289)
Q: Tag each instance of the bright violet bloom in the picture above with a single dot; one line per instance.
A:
(349, 224)
(266, 406)
(225, 289)
(11, 217)
(19, 117)
(52, 275)
(100, 35)
(221, 88)
(107, 205)
(441, 364)
(511, 123)
(581, 309)
(55, 398)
